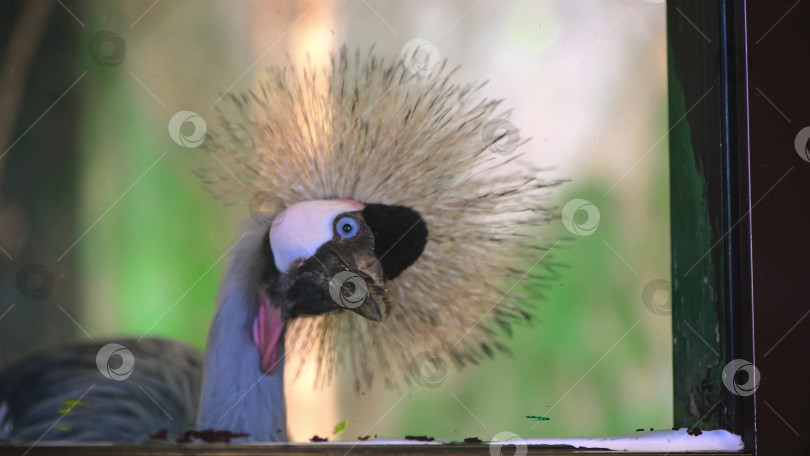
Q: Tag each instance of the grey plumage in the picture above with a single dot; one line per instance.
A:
(164, 389)
(59, 394)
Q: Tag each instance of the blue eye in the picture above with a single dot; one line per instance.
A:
(347, 227)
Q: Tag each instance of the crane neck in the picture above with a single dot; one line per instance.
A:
(237, 395)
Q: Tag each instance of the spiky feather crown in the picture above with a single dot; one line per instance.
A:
(374, 132)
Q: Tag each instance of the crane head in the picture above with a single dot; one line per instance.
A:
(332, 256)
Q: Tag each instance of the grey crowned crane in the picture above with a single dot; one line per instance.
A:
(387, 220)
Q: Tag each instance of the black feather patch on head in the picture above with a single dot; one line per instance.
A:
(400, 236)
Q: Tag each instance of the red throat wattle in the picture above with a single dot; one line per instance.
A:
(268, 329)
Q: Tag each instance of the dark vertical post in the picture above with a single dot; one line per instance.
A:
(778, 39)
(38, 175)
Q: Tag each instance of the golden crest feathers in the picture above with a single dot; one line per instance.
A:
(374, 132)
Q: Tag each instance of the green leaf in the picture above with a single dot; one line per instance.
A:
(340, 427)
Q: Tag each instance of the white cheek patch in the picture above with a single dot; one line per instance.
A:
(302, 228)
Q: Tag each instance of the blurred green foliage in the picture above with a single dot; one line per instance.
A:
(156, 248)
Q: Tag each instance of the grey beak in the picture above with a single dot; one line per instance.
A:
(353, 292)
(369, 309)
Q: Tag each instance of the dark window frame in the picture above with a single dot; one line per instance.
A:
(739, 197)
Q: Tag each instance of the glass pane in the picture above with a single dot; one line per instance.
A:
(109, 235)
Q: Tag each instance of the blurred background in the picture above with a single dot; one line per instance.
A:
(105, 231)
